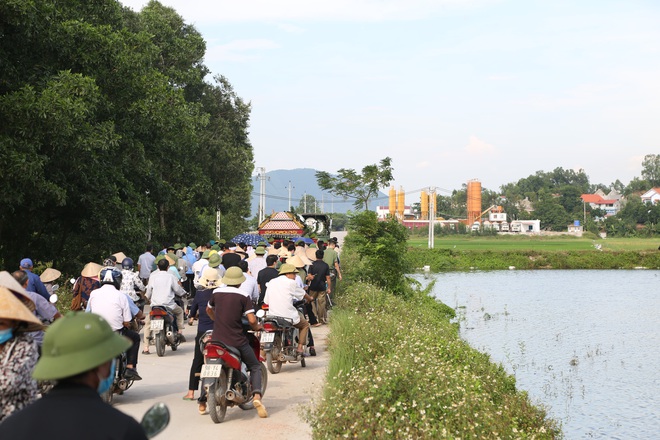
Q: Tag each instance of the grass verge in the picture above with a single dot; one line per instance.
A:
(399, 370)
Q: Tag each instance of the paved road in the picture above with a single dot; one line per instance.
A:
(288, 394)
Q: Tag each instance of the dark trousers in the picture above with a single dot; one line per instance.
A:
(198, 361)
(132, 353)
(253, 365)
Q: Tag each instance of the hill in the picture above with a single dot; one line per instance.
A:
(303, 181)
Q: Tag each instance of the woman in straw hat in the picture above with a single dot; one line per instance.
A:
(209, 280)
(18, 354)
(48, 277)
(84, 285)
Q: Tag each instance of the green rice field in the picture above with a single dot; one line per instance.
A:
(537, 243)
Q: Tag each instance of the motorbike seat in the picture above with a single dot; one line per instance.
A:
(280, 321)
(229, 348)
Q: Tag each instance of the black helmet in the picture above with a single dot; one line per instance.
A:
(127, 263)
(110, 275)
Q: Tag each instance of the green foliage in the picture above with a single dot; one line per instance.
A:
(361, 187)
(400, 370)
(453, 259)
(111, 134)
(651, 169)
(379, 249)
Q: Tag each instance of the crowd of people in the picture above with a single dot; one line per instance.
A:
(215, 285)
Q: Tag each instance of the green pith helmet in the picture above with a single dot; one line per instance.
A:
(76, 343)
(215, 260)
(287, 268)
(233, 276)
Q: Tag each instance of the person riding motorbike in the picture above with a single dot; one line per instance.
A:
(79, 353)
(226, 308)
(131, 283)
(280, 295)
(161, 290)
(108, 302)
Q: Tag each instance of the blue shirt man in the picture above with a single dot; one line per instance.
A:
(34, 282)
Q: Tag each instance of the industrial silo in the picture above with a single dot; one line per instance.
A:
(401, 203)
(473, 201)
(392, 201)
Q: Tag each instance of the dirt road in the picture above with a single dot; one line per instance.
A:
(288, 394)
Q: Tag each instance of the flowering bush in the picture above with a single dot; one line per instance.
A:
(400, 370)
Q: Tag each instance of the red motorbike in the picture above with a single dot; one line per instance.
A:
(225, 377)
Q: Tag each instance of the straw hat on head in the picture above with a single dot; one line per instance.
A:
(12, 308)
(311, 253)
(91, 270)
(210, 278)
(49, 275)
(296, 261)
(302, 254)
(119, 256)
(170, 260)
(8, 281)
(233, 276)
(287, 268)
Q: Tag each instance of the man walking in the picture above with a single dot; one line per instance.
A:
(145, 263)
(319, 274)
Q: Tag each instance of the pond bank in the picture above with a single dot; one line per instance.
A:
(459, 260)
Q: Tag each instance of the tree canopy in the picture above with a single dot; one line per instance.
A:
(112, 133)
(362, 187)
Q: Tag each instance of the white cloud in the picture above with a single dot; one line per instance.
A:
(239, 50)
(293, 10)
(290, 28)
(477, 147)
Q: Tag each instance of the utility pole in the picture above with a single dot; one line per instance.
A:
(261, 175)
(431, 217)
(322, 202)
(290, 188)
(217, 224)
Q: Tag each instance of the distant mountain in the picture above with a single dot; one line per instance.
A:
(303, 181)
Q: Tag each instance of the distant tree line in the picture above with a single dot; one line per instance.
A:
(555, 197)
(111, 134)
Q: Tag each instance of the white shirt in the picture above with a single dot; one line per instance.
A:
(162, 287)
(250, 287)
(198, 268)
(111, 304)
(281, 292)
(256, 264)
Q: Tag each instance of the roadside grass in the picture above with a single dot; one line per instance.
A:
(400, 370)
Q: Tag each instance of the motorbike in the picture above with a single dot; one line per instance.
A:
(119, 383)
(279, 340)
(225, 377)
(163, 329)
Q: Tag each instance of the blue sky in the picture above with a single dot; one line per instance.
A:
(451, 90)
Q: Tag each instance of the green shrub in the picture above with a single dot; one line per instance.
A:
(400, 370)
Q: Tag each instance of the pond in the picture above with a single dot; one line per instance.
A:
(584, 344)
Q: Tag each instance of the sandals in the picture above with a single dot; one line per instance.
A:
(146, 352)
(261, 409)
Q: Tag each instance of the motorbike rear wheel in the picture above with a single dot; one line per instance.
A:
(217, 403)
(272, 357)
(264, 384)
(160, 344)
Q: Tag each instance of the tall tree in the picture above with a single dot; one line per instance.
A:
(651, 169)
(361, 187)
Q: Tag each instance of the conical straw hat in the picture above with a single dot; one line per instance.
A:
(9, 282)
(300, 252)
(12, 308)
(296, 261)
(49, 275)
(91, 270)
(119, 256)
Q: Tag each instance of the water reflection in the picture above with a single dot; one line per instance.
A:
(582, 343)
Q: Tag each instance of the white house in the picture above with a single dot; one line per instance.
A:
(651, 196)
